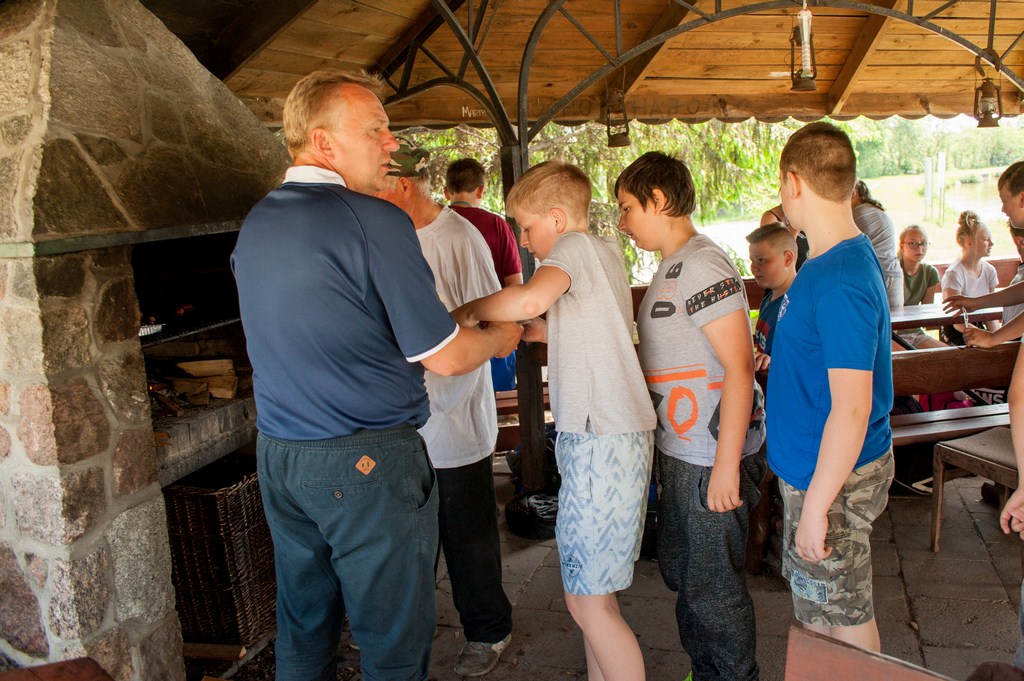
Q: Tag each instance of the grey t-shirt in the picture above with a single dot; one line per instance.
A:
(694, 286)
(592, 365)
(877, 226)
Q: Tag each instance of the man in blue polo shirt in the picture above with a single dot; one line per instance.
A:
(340, 317)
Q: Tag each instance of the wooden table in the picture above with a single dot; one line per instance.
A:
(932, 316)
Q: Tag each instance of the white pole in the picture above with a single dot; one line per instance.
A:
(928, 188)
(941, 181)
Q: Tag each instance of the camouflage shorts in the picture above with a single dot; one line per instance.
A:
(837, 591)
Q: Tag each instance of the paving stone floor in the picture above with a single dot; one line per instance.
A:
(947, 611)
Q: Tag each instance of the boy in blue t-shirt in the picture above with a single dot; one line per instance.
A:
(773, 264)
(831, 376)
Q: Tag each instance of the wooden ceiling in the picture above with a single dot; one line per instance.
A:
(727, 59)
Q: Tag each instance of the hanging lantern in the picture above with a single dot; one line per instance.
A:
(802, 41)
(617, 122)
(988, 105)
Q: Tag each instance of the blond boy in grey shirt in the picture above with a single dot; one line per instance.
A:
(599, 400)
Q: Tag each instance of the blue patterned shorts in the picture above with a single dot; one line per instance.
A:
(602, 504)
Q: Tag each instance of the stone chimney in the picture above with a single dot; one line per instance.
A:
(109, 129)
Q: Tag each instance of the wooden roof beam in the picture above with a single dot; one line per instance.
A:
(417, 34)
(636, 70)
(252, 31)
(865, 46)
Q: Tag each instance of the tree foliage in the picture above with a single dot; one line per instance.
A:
(734, 166)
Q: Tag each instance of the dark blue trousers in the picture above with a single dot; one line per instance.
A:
(354, 524)
(701, 554)
(468, 514)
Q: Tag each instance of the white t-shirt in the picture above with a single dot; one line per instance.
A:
(462, 427)
(959, 279)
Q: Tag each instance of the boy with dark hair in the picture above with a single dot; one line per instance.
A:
(829, 441)
(604, 415)
(695, 352)
(773, 252)
(464, 189)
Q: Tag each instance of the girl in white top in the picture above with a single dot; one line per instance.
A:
(969, 275)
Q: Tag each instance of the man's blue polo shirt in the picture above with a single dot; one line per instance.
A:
(338, 307)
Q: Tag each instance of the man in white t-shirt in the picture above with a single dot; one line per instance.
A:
(462, 428)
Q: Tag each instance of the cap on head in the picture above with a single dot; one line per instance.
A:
(408, 161)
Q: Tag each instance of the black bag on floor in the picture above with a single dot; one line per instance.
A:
(532, 516)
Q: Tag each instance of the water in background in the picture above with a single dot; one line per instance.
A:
(903, 198)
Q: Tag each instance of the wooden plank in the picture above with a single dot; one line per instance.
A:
(944, 369)
(428, 21)
(324, 40)
(507, 401)
(213, 651)
(865, 46)
(252, 29)
(637, 69)
(947, 430)
(355, 16)
(946, 415)
(207, 367)
(194, 390)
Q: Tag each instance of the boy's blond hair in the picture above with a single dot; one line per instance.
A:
(822, 155)
(776, 235)
(307, 105)
(552, 184)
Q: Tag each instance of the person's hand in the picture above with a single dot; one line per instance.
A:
(978, 338)
(761, 361)
(810, 538)
(1012, 517)
(954, 304)
(508, 334)
(724, 489)
(535, 331)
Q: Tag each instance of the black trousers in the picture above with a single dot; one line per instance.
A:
(468, 516)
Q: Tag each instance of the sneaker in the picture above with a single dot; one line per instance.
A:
(477, 659)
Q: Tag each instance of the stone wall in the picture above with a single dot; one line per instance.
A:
(108, 125)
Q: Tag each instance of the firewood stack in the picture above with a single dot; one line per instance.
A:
(193, 383)
(207, 378)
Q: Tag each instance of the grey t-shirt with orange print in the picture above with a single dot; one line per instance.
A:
(694, 286)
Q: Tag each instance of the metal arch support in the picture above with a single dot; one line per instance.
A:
(522, 105)
(500, 117)
(455, 82)
(528, 133)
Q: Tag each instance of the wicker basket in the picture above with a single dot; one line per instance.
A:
(221, 553)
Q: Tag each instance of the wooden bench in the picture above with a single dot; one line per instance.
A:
(940, 370)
